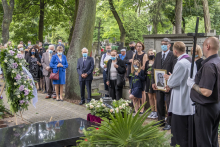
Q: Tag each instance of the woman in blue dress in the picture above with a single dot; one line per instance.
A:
(137, 84)
(59, 63)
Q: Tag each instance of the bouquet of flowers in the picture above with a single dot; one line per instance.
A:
(19, 87)
(106, 60)
(96, 72)
(98, 108)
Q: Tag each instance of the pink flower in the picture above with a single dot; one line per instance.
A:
(18, 77)
(20, 56)
(11, 52)
(14, 65)
(26, 92)
(21, 88)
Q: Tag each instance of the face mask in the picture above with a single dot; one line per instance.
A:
(50, 51)
(113, 58)
(132, 48)
(85, 54)
(135, 66)
(151, 57)
(164, 47)
(39, 45)
(60, 53)
(21, 49)
(29, 43)
(59, 42)
(196, 56)
(33, 53)
(109, 51)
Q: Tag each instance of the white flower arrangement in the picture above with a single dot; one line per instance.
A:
(98, 108)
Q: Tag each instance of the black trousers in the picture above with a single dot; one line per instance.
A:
(82, 89)
(114, 92)
(105, 80)
(161, 109)
(183, 131)
(207, 119)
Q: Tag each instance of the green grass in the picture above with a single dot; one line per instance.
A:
(96, 94)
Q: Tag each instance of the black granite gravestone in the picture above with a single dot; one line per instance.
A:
(53, 134)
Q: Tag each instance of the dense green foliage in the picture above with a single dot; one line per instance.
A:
(2, 108)
(135, 16)
(125, 131)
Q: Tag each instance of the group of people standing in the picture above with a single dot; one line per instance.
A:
(42, 62)
(189, 105)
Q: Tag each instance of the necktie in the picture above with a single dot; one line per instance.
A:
(163, 58)
(84, 62)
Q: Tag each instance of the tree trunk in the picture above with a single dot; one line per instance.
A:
(178, 16)
(74, 21)
(207, 20)
(184, 25)
(155, 27)
(7, 18)
(120, 24)
(82, 37)
(41, 21)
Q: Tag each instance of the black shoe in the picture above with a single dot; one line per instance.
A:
(88, 101)
(160, 124)
(82, 102)
(141, 113)
(167, 127)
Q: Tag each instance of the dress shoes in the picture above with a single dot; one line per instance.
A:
(88, 101)
(160, 124)
(54, 97)
(47, 97)
(167, 127)
(82, 102)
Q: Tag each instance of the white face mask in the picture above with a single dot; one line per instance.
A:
(21, 49)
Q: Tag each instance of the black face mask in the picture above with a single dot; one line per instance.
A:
(132, 48)
(151, 57)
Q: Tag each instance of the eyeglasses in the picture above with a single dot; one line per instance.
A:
(139, 46)
(164, 44)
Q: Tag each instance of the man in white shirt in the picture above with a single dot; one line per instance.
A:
(180, 103)
(105, 56)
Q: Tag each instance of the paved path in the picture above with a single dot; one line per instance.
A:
(45, 108)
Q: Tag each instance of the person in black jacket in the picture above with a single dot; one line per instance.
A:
(198, 57)
(115, 66)
(164, 60)
(129, 59)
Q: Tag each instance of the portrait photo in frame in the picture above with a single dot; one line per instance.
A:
(160, 81)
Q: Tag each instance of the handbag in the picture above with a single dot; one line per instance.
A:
(120, 80)
(54, 76)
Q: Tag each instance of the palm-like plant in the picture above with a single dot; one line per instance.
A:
(125, 131)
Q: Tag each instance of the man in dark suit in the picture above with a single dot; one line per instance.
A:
(129, 59)
(160, 80)
(164, 60)
(85, 66)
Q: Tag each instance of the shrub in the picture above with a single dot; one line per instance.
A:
(125, 131)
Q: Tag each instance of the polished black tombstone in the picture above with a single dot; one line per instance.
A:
(53, 134)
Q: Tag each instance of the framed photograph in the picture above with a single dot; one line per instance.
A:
(159, 79)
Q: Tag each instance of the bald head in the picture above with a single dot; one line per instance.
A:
(213, 42)
(210, 46)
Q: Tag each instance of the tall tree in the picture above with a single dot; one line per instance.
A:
(178, 16)
(74, 21)
(82, 37)
(207, 20)
(7, 18)
(41, 21)
(118, 19)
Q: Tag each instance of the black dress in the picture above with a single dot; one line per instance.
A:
(140, 58)
(148, 81)
(199, 63)
(34, 68)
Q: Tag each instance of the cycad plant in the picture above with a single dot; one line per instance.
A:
(125, 131)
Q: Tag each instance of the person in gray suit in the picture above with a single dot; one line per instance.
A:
(164, 60)
(85, 66)
(45, 61)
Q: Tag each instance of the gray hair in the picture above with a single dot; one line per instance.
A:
(166, 40)
(86, 49)
(51, 46)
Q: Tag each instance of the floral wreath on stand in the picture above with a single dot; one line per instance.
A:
(19, 86)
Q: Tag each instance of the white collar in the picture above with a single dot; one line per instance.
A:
(165, 52)
(181, 56)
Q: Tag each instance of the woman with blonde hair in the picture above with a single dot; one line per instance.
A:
(59, 64)
(21, 49)
(137, 84)
(198, 57)
(151, 93)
